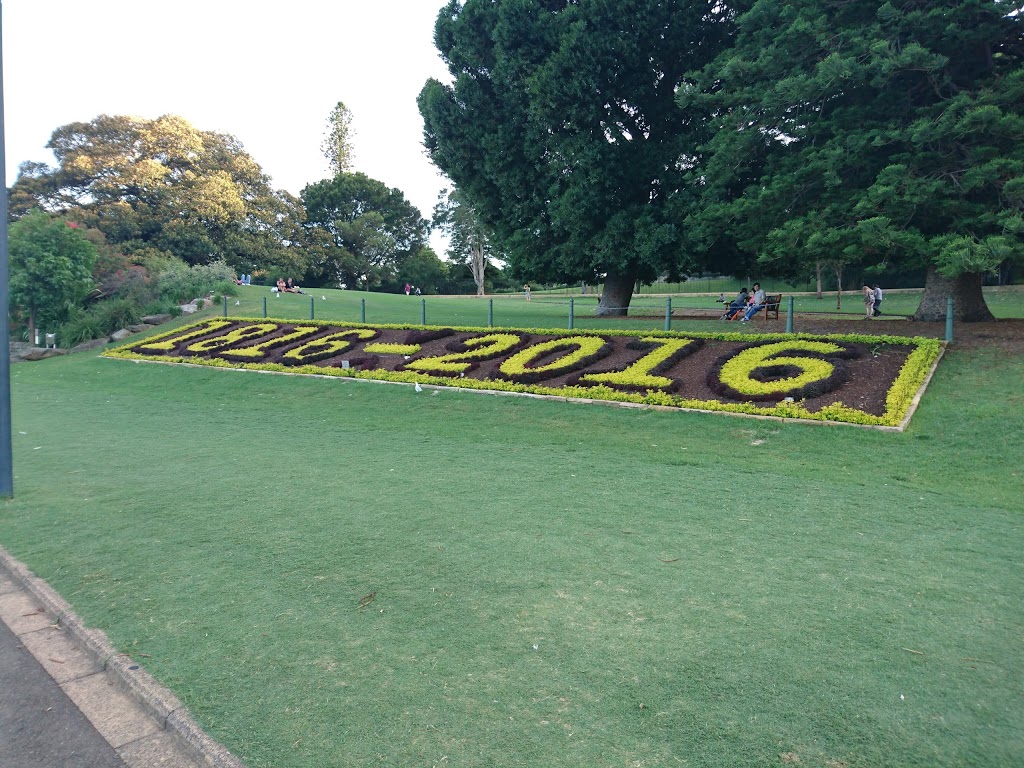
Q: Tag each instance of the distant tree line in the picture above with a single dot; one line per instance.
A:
(134, 204)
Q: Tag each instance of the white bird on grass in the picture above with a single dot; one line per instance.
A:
(324, 298)
(419, 388)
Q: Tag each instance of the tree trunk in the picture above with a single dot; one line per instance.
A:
(968, 301)
(478, 264)
(818, 266)
(618, 291)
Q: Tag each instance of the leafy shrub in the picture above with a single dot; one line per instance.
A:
(86, 326)
(129, 283)
(159, 308)
(182, 283)
(116, 314)
(543, 360)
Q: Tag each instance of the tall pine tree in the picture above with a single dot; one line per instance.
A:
(857, 131)
(561, 130)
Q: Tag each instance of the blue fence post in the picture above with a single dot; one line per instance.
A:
(572, 318)
(423, 311)
(668, 314)
(225, 305)
(490, 313)
(362, 310)
(312, 310)
(264, 306)
(949, 319)
(789, 315)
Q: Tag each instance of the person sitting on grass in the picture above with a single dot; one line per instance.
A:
(737, 304)
(290, 287)
(756, 302)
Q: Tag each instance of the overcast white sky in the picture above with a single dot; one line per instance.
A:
(268, 73)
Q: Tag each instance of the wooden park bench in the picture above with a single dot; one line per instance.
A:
(770, 307)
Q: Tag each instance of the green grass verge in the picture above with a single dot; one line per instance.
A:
(555, 585)
(553, 311)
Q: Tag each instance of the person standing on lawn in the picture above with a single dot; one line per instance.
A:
(877, 310)
(756, 302)
(869, 300)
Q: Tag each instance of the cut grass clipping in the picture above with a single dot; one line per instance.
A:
(851, 379)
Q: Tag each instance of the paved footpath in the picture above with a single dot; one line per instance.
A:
(68, 701)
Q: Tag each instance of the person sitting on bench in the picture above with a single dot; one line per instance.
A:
(737, 304)
(756, 303)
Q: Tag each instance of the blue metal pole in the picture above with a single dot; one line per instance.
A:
(490, 313)
(668, 314)
(423, 311)
(572, 313)
(362, 310)
(6, 466)
(789, 315)
(312, 308)
(264, 306)
(225, 305)
(949, 319)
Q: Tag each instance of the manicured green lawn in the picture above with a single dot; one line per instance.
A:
(553, 584)
(551, 311)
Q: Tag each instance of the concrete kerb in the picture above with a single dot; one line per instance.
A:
(159, 702)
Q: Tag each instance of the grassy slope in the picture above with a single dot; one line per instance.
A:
(227, 525)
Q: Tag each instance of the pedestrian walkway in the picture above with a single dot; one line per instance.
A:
(65, 706)
(40, 727)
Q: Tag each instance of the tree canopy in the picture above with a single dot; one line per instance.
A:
(51, 264)
(159, 184)
(359, 231)
(561, 129)
(857, 131)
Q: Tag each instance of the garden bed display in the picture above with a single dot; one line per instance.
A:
(852, 379)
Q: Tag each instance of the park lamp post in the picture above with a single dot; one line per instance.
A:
(6, 469)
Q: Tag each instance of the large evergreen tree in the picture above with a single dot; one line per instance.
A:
(864, 131)
(159, 184)
(561, 130)
(360, 232)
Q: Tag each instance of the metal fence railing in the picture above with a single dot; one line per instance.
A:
(567, 313)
